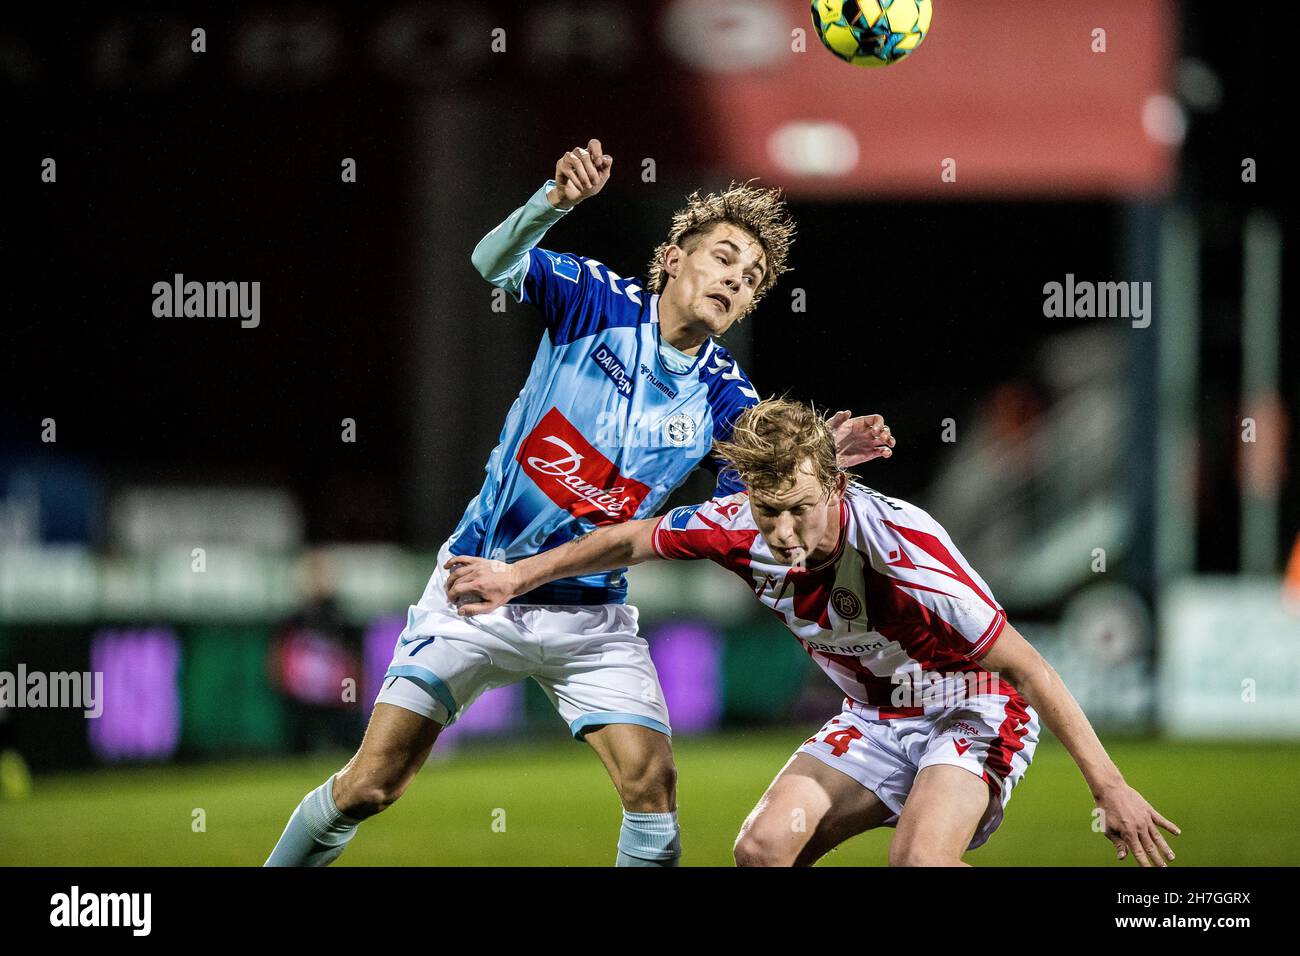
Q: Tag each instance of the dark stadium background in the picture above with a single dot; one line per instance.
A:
(923, 305)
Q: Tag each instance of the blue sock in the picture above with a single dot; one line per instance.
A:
(316, 833)
(649, 839)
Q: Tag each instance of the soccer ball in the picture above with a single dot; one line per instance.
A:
(871, 32)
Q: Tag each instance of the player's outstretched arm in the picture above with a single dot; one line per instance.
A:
(501, 257)
(1129, 822)
(484, 585)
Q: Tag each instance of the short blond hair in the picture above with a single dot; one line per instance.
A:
(770, 442)
(759, 211)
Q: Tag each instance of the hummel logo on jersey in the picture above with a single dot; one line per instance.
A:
(657, 382)
(575, 475)
(611, 365)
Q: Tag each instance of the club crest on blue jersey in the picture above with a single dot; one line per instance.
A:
(611, 365)
(679, 430)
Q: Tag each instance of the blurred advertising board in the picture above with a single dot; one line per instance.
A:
(1229, 660)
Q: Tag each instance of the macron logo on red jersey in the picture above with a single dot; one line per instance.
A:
(575, 475)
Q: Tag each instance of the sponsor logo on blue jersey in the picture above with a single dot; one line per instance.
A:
(678, 518)
(611, 365)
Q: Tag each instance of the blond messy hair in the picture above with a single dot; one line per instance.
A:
(759, 211)
(771, 441)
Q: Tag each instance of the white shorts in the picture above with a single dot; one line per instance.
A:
(590, 660)
(983, 734)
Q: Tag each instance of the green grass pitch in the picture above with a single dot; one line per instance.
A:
(1233, 802)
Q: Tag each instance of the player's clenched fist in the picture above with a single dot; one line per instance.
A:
(580, 174)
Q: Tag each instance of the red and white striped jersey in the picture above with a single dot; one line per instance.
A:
(896, 617)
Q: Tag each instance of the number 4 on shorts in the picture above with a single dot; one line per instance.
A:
(839, 740)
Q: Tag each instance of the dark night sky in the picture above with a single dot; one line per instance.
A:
(914, 309)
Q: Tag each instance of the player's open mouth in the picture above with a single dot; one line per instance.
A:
(721, 300)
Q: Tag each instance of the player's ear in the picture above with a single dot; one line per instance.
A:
(672, 261)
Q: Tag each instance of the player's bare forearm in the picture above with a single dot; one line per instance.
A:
(1062, 715)
(605, 549)
(479, 585)
(1128, 820)
(1039, 683)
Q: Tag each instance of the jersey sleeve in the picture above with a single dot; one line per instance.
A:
(707, 530)
(923, 566)
(502, 257)
(568, 293)
(577, 296)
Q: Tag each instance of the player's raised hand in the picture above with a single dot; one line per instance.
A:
(479, 585)
(1131, 824)
(860, 439)
(580, 174)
